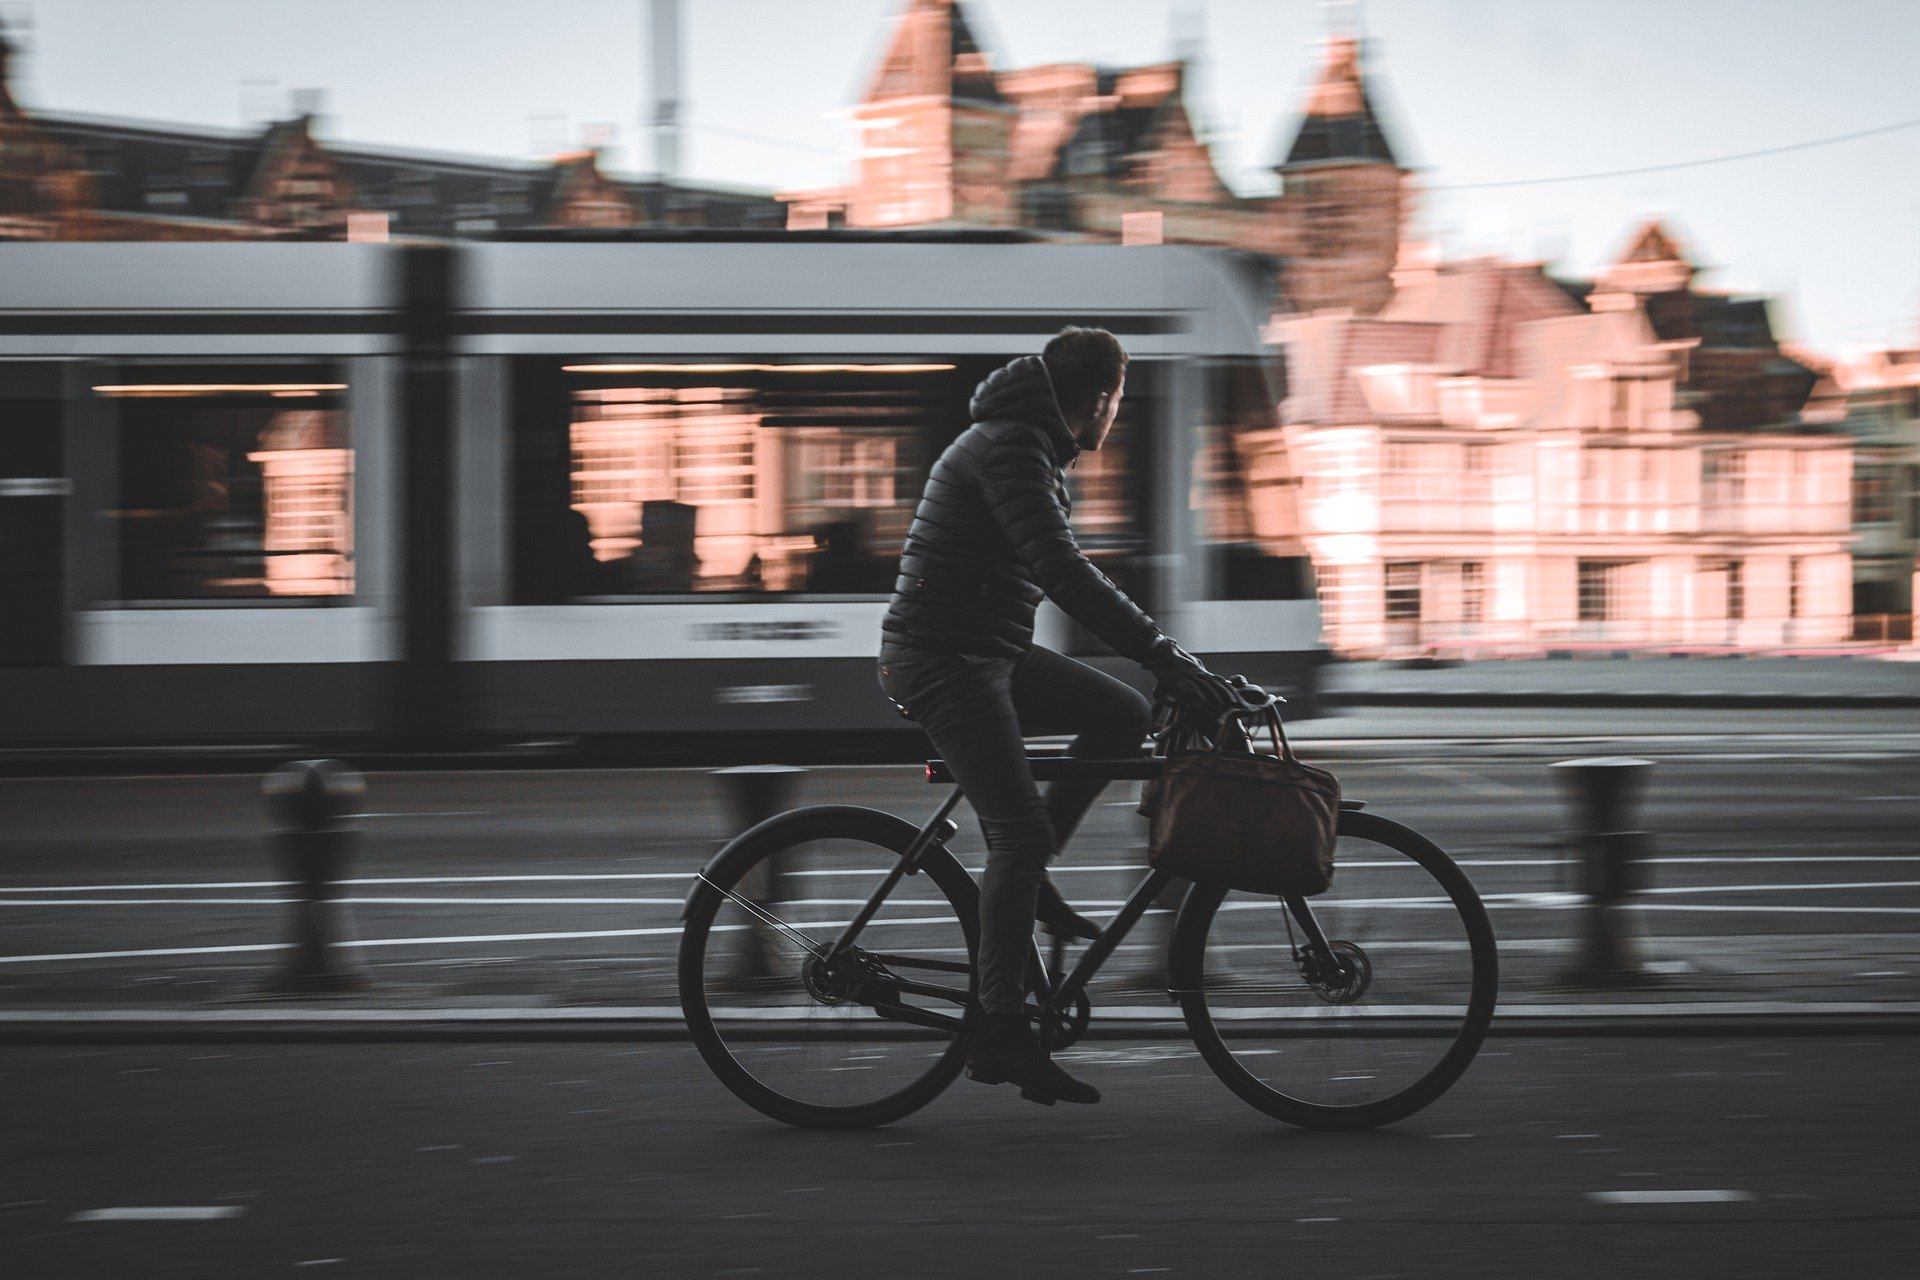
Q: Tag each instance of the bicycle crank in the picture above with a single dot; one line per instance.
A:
(1061, 1028)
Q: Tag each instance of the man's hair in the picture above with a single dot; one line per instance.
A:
(1084, 363)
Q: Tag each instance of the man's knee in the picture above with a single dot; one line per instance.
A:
(1019, 841)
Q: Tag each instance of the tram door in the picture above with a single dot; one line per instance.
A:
(33, 496)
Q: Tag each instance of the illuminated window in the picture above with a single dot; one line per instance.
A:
(234, 482)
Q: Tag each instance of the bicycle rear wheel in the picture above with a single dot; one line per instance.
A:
(1369, 1040)
(863, 1039)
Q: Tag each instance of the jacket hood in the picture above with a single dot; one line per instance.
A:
(1020, 391)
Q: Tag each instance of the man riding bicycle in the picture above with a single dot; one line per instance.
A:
(989, 540)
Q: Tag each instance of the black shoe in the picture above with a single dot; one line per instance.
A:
(1006, 1051)
(1060, 919)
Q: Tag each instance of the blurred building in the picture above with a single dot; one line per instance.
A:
(1082, 152)
(1874, 397)
(1501, 462)
(71, 177)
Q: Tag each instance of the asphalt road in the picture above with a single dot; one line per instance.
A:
(1554, 1157)
(1781, 865)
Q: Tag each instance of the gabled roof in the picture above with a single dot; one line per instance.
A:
(1326, 352)
(1654, 242)
(1480, 305)
(934, 55)
(1339, 125)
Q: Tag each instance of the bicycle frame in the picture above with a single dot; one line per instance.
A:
(1050, 991)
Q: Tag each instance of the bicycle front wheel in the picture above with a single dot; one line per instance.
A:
(1374, 1035)
(842, 1041)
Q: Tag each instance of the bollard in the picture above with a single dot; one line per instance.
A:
(1604, 793)
(754, 793)
(311, 801)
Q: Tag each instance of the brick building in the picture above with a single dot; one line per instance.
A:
(74, 177)
(1072, 150)
(1501, 462)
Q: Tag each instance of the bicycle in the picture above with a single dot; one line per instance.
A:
(1367, 1004)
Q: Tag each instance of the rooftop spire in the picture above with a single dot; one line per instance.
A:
(1339, 125)
(934, 54)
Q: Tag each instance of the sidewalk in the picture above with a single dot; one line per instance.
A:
(1636, 681)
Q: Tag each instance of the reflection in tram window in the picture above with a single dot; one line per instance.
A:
(746, 476)
(232, 483)
(1246, 490)
(1111, 491)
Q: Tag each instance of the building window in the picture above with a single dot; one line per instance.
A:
(1403, 591)
(234, 482)
(1795, 567)
(1473, 591)
(1736, 590)
(1607, 590)
(1723, 475)
(1330, 583)
(1872, 493)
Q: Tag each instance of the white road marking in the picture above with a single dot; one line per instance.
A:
(672, 930)
(1457, 776)
(161, 1213)
(686, 877)
(1530, 898)
(426, 813)
(1669, 1197)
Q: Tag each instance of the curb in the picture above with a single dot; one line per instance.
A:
(1697, 701)
(663, 1022)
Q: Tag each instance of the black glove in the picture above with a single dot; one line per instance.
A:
(1183, 682)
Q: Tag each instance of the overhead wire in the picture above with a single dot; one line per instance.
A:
(1685, 164)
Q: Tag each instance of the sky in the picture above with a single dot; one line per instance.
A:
(1471, 92)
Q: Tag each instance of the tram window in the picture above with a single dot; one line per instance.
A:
(742, 475)
(1112, 492)
(1246, 491)
(233, 482)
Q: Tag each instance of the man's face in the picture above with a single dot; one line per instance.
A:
(1099, 420)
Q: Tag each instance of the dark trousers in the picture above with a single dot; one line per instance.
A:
(976, 710)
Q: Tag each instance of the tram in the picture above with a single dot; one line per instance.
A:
(580, 488)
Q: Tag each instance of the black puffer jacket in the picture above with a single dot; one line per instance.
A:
(990, 536)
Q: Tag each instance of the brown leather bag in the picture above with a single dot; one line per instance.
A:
(1244, 819)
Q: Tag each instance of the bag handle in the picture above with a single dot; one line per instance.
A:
(1269, 718)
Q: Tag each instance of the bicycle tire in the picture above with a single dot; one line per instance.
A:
(884, 836)
(1187, 952)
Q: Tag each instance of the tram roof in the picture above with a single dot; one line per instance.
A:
(911, 291)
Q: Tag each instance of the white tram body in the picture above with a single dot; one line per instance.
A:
(513, 489)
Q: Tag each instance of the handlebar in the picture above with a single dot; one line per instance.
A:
(1251, 700)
